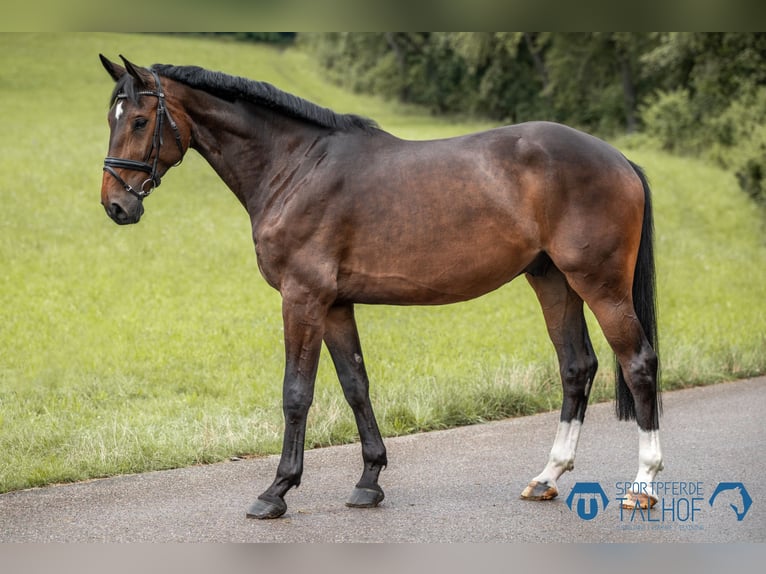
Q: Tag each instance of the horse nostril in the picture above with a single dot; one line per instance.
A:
(117, 212)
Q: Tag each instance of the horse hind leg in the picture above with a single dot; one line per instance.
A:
(342, 340)
(617, 316)
(563, 312)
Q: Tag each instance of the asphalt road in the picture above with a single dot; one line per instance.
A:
(459, 485)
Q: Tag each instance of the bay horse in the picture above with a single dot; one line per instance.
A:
(344, 213)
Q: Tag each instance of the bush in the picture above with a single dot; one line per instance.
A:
(750, 179)
(734, 139)
(670, 120)
(741, 142)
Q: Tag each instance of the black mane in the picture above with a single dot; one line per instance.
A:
(262, 93)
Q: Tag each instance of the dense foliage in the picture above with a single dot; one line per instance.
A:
(695, 93)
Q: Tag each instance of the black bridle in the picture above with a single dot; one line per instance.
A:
(112, 163)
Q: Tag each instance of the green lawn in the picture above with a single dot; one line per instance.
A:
(157, 345)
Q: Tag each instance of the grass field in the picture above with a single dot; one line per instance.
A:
(158, 345)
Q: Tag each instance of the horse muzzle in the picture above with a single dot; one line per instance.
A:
(124, 214)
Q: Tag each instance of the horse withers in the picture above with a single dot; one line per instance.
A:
(344, 213)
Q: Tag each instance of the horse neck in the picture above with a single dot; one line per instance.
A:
(248, 145)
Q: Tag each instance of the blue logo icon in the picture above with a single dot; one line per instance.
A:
(737, 487)
(587, 491)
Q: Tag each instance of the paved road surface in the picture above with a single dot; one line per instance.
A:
(448, 486)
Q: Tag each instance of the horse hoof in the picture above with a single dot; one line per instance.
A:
(539, 491)
(365, 497)
(640, 500)
(267, 507)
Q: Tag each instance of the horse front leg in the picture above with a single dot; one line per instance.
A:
(342, 340)
(304, 327)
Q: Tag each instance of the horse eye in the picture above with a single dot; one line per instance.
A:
(139, 123)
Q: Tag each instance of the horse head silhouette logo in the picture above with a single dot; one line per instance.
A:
(737, 487)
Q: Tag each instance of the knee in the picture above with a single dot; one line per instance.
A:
(356, 392)
(296, 407)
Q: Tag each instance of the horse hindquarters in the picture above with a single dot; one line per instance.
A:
(609, 264)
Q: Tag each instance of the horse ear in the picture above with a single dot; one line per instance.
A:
(115, 70)
(141, 75)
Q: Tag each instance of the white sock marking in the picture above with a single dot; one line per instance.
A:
(649, 458)
(562, 454)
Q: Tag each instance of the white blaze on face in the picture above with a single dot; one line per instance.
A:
(118, 111)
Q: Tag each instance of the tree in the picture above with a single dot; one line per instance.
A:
(710, 100)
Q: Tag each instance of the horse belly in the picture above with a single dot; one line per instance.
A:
(440, 271)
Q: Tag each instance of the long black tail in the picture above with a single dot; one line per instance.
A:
(644, 301)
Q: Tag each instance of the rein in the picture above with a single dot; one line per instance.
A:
(112, 163)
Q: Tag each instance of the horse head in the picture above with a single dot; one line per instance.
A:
(142, 115)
